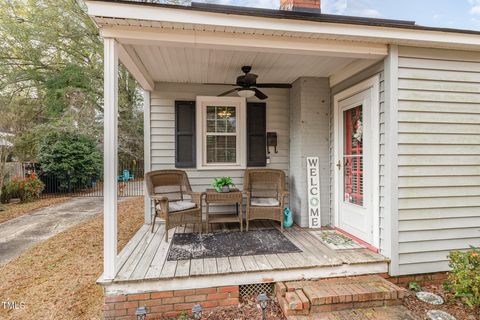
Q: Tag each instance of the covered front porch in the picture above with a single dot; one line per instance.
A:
(144, 265)
(178, 61)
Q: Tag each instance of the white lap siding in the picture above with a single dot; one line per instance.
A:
(163, 124)
(438, 156)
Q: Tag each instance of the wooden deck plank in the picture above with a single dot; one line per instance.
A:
(262, 262)
(310, 251)
(287, 260)
(210, 266)
(183, 268)
(307, 257)
(312, 248)
(275, 262)
(159, 259)
(223, 265)
(196, 267)
(131, 245)
(297, 260)
(148, 256)
(329, 254)
(249, 263)
(168, 269)
(236, 264)
(144, 257)
(136, 256)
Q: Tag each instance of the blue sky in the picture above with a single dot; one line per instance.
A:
(460, 14)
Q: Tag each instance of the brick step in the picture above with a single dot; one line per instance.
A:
(328, 295)
(383, 313)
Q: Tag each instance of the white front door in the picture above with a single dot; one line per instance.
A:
(355, 165)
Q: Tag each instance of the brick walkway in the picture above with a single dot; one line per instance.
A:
(380, 313)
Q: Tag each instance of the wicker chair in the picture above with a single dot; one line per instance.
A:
(265, 191)
(167, 189)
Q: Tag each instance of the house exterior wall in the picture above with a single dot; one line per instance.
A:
(365, 74)
(438, 156)
(309, 137)
(162, 125)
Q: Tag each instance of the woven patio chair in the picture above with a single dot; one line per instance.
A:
(265, 191)
(174, 199)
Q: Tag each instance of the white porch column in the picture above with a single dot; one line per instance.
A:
(110, 158)
(146, 152)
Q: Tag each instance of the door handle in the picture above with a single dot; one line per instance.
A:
(339, 165)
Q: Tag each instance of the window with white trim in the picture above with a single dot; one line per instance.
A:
(221, 132)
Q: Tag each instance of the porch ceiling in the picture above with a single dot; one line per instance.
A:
(201, 65)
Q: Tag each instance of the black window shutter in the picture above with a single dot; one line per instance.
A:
(185, 145)
(256, 134)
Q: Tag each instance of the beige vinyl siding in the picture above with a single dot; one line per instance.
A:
(438, 156)
(367, 73)
(163, 124)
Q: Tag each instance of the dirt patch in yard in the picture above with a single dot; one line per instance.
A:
(56, 278)
(247, 309)
(452, 305)
(14, 210)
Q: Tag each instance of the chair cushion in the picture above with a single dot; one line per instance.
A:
(180, 205)
(264, 202)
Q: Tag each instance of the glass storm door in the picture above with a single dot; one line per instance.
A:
(354, 167)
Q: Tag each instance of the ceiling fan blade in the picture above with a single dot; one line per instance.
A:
(228, 92)
(219, 84)
(273, 85)
(259, 94)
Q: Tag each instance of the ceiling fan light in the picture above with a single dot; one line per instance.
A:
(246, 93)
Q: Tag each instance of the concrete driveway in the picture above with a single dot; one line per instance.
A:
(17, 235)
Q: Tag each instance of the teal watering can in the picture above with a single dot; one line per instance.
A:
(288, 218)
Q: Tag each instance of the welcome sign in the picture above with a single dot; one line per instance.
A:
(313, 182)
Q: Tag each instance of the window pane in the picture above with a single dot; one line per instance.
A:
(221, 149)
(353, 156)
(221, 119)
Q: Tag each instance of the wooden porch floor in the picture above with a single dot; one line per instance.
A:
(144, 258)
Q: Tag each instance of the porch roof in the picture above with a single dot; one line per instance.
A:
(297, 15)
(224, 18)
(206, 43)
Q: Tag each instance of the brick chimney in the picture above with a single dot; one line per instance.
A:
(300, 5)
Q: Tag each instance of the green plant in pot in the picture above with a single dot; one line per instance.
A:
(223, 184)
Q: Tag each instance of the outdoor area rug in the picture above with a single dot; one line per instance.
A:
(228, 244)
(335, 240)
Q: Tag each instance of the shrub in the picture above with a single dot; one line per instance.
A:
(26, 189)
(74, 159)
(464, 278)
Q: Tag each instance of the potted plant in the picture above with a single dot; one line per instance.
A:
(223, 184)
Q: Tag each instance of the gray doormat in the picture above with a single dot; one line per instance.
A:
(228, 244)
(335, 240)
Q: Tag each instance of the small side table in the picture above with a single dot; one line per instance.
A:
(233, 197)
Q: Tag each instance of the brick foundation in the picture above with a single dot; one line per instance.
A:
(425, 279)
(169, 304)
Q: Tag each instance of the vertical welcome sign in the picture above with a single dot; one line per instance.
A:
(313, 185)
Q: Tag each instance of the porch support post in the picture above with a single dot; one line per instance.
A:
(110, 158)
(146, 153)
(391, 161)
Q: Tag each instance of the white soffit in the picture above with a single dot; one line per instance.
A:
(196, 65)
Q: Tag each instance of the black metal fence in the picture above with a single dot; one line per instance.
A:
(129, 180)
